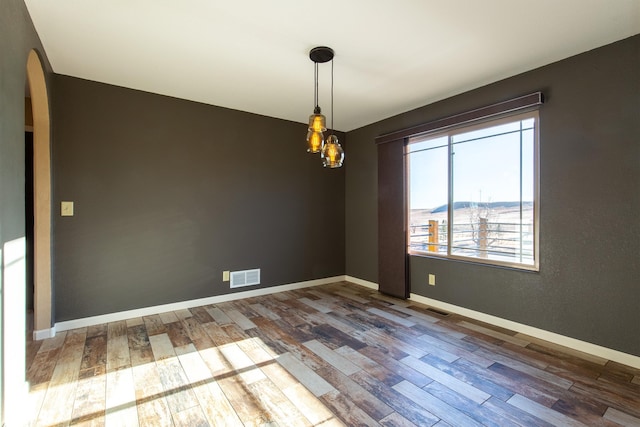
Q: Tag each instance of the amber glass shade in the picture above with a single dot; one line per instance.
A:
(315, 138)
(332, 153)
(314, 141)
(317, 123)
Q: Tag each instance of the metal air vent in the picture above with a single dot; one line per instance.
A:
(245, 278)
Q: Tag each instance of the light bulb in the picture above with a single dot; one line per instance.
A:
(332, 153)
(314, 141)
(317, 123)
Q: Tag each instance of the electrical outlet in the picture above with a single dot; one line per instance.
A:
(432, 279)
(225, 276)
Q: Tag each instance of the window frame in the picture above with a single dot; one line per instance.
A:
(450, 132)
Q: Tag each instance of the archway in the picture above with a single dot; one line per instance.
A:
(42, 197)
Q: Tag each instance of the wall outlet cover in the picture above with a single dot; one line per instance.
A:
(66, 208)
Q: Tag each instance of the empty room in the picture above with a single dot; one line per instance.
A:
(291, 213)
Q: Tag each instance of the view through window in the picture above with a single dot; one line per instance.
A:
(472, 192)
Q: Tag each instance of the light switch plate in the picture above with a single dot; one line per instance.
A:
(66, 208)
(432, 279)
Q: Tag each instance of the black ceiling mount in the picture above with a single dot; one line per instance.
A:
(321, 54)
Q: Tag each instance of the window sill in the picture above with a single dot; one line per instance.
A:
(479, 262)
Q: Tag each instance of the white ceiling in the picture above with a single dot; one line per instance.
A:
(252, 55)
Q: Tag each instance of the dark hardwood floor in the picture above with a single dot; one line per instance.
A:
(337, 354)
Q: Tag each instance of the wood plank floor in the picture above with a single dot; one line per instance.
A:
(338, 354)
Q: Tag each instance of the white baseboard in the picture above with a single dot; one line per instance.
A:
(42, 334)
(148, 311)
(582, 346)
(361, 282)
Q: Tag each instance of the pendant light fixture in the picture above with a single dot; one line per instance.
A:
(331, 152)
(317, 122)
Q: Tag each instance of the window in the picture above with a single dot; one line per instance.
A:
(472, 192)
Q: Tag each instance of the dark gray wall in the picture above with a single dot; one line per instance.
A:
(588, 286)
(17, 38)
(169, 193)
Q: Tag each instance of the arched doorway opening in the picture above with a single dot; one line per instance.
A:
(14, 387)
(41, 197)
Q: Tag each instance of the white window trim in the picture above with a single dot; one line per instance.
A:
(463, 128)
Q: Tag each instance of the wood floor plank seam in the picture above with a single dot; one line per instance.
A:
(336, 354)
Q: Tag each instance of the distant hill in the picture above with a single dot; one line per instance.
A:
(491, 205)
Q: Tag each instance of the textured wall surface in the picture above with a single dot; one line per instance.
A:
(169, 193)
(587, 286)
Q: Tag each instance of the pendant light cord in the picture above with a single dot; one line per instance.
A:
(315, 88)
(332, 96)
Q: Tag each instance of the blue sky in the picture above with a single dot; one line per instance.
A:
(485, 169)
